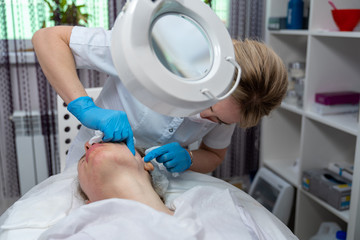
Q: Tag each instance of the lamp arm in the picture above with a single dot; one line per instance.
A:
(210, 95)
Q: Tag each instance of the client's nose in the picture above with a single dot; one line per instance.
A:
(87, 146)
(206, 113)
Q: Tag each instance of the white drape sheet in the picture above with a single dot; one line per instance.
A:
(205, 208)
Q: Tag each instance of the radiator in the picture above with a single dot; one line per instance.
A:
(30, 149)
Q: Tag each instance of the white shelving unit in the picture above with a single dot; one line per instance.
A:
(295, 139)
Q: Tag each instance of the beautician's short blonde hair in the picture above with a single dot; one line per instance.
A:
(263, 82)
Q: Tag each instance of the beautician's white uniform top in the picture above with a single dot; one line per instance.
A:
(91, 50)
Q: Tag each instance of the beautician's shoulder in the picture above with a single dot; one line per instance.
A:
(220, 136)
(91, 49)
(96, 36)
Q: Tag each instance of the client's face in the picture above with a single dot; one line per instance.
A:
(106, 166)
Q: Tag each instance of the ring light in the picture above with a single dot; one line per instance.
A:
(174, 56)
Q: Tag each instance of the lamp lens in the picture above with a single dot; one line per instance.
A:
(181, 45)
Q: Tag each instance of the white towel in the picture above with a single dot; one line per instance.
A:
(97, 138)
(159, 175)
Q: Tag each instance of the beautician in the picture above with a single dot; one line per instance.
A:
(120, 116)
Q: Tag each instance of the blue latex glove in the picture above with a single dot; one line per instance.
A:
(114, 124)
(174, 157)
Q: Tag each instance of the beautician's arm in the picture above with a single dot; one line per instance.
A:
(207, 159)
(57, 62)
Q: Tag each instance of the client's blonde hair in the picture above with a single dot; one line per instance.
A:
(263, 82)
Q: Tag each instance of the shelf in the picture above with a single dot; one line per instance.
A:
(323, 144)
(286, 169)
(279, 151)
(344, 215)
(321, 17)
(289, 32)
(344, 122)
(324, 33)
(300, 136)
(290, 47)
(292, 108)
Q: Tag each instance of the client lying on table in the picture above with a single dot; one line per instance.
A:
(126, 203)
(110, 170)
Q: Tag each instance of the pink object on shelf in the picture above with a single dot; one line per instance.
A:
(333, 98)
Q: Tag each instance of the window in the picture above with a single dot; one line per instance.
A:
(23, 18)
(222, 9)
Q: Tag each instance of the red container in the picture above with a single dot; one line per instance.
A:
(346, 19)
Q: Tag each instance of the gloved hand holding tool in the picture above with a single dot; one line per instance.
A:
(174, 157)
(114, 124)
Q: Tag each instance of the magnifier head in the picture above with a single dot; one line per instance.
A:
(167, 52)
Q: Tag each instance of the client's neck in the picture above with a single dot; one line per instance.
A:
(139, 189)
(151, 198)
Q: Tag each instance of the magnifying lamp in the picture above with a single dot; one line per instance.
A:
(174, 56)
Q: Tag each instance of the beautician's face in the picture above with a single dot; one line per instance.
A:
(103, 164)
(225, 112)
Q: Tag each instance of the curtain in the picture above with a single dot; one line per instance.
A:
(9, 186)
(24, 88)
(242, 158)
(246, 19)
